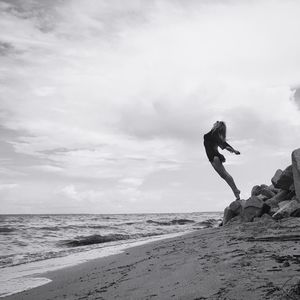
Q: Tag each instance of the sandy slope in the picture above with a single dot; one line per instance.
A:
(259, 260)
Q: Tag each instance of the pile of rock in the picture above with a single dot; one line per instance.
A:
(279, 200)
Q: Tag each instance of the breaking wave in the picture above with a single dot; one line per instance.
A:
(100, 239)
(172, 222)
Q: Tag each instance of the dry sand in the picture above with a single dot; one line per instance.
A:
(259, 260)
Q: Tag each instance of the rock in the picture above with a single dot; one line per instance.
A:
(287, 210)
(296, 171)
(273, 210)
(267, 192)
(253, 202)
(277, 198)
(283, 179)
(236, 219)
(296, 213)
(264, 217)
(290, 195)
(276, 177)
(273, 189)
(283, 203)
(286, 264)
(228, 214)
(252, 208)
(262, 197)
(256, 190)
(234, 209)
(237, 206)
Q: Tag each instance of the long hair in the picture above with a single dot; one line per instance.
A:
(219, 128)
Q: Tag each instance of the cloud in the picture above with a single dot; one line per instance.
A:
(118, 92)
(8, 186)
(297, 97)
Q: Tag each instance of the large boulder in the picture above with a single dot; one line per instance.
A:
(234, 209)
(281, 196)
(287, 210)
(283, 179)
(296, 171)
(228, 215)
(253, 207)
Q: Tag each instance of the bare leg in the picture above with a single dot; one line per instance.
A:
(218, 166)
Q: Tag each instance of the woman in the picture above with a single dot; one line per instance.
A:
(214, 139)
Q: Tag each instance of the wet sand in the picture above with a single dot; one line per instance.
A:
(259, 260)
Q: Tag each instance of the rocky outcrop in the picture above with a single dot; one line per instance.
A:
(279, 200)
(296, 171)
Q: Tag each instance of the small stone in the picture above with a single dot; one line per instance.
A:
(286, 264)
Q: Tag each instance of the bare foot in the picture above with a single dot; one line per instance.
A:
(237, 194)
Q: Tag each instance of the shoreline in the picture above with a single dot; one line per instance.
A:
(34, 274)
(258, 260)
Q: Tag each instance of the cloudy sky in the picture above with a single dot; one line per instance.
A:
(103, 104)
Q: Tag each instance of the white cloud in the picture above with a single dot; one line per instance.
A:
(8, 186)
(119, 92)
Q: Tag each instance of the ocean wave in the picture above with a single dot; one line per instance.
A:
(208, 223)
(172, 222)
(6, 229)
(100, 239)
(57, 228)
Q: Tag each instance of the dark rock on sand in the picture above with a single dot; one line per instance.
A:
(296, 171)
(252, 208)
(228, 215)
(234, 209)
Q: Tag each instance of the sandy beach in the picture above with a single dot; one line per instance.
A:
(259, 260)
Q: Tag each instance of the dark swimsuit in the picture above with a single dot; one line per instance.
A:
(211, 143)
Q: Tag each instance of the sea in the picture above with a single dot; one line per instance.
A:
(31, 245)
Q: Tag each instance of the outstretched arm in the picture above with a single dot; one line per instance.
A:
(221, 141)
(230, 148)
